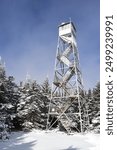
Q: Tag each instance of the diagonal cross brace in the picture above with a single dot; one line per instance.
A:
(62, 113)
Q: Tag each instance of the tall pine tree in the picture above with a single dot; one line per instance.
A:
(94, 108)
(8, 101)
(32, 107)
(45, 88)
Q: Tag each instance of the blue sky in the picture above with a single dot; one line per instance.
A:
(28, 36)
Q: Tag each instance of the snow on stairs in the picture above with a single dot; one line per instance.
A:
(66, 123)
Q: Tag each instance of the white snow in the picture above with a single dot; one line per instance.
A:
(52, 140)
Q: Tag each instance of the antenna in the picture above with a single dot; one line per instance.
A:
(70, 19)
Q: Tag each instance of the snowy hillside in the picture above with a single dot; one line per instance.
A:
(41, 140)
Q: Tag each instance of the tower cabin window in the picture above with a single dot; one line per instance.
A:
(65, 27)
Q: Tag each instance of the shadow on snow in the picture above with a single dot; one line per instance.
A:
(71, 148)
(16, 143)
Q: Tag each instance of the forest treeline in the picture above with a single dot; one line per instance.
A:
(25, 106)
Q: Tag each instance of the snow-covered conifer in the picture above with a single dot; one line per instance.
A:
(32, 108)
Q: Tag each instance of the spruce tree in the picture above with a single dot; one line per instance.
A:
(8, 102)
(45, 88)
(94, 108)
(32, 109)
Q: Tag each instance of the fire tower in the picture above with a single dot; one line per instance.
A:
(66, 104)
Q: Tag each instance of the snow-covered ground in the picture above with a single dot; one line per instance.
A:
(41, 140)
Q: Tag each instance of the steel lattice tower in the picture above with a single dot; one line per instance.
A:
(66, 97)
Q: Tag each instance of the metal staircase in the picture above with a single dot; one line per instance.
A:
(66, 123)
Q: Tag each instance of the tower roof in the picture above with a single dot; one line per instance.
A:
(65, 23)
